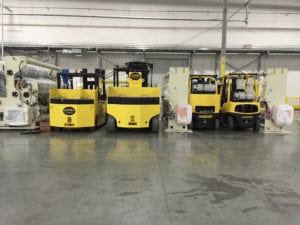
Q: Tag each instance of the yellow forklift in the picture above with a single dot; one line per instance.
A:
(133, 103)
(204, 97)
(79, 100)
(240, 107)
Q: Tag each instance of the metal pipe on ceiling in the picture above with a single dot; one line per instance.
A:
(288, 12)
(120, 17)
(161, 27)
(153, 49)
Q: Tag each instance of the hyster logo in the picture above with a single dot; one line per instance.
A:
(135, 76)
(69, 111)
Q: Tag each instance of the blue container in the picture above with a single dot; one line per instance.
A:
(65, 72)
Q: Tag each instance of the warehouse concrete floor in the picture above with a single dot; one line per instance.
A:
(134, 178)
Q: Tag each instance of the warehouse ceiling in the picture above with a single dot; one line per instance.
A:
(152, 24)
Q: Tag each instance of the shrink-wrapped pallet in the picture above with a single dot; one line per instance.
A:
(283, 115)
(184, 113)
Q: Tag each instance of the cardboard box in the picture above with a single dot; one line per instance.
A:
(44, 126)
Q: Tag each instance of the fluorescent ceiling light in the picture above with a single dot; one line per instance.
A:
(73, 50)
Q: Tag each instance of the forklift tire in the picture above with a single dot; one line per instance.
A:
(111, 124)
(55, 128)
(217, 124)
(155, 124)
(96, 122)
(230, 122)
(190, 126)
(256, 125)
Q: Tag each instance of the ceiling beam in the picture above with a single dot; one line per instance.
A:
(155, 50)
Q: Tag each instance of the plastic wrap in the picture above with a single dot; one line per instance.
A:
(240, 84)
(242, 96)
(16, 117)
(35, 72)
(250, 96)
(197, 88)
(211, 88)
(239, 96)
(184, 113)
(39, 88)
(283, 115)
(43, 85)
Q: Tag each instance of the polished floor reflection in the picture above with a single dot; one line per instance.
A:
(134, 178)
